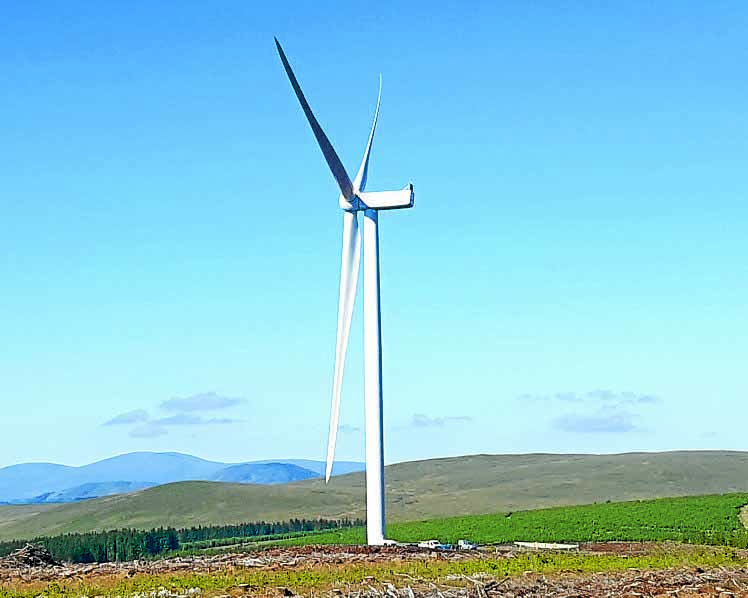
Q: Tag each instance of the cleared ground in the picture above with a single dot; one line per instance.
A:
(601, 570)
(636, 567)
(415, 490)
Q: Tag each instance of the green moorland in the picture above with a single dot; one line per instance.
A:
(434, 488)
(711, 519)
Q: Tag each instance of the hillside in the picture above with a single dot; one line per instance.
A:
(90, 490)
(415, 490)
(264, 473)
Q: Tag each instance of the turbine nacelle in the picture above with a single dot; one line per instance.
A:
(379, 200)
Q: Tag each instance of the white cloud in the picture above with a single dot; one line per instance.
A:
(130, 417)
(421, 420)
(600, 423)
(184, 415)
(206, 401)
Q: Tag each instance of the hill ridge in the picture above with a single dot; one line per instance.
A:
(449, 486)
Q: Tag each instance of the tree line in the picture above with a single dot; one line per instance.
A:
(130, 544)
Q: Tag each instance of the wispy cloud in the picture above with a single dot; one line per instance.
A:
(598, 396)
(348, 429)
(131, 417)
(185, 419)
(421, 420)
(185, 413)
(180, 419)
(206, 401)
(622, 398)
(222, 421)
(148, 430)
(599, 411)
(600, 423)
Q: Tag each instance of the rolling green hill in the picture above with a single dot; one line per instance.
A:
(415, 490)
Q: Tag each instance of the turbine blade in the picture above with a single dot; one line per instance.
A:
(349, 267)
(333, 161)
(360, 183)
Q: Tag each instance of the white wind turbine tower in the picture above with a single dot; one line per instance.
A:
(354, 199)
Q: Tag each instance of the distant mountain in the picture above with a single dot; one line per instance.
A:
(338, 468)
(49, 482)
(159, 468)
(29, 479)
(92, 490)
(22, 483)
(264, 473)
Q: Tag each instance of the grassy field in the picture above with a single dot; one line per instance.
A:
(698, 520)
(320, 580)
(417, 490)
(17, 513)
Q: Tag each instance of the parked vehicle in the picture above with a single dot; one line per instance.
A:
(433, 544)
(466, 545)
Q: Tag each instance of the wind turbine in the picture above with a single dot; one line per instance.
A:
(353, 199)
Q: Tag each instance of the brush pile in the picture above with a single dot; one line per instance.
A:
(30, 556)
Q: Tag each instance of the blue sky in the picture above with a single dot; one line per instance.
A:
(573, 277)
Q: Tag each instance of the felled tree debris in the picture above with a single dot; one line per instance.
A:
(33, 564)
(30, 556)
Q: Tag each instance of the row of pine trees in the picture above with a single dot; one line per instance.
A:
(129, 544)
